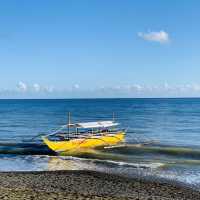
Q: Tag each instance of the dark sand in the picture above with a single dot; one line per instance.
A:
(85, 185)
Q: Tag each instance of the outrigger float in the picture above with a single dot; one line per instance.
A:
(82, 136)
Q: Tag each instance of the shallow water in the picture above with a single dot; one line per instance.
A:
(163, 138)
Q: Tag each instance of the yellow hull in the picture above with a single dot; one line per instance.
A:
(84, 143)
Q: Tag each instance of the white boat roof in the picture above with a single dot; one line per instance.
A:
(100, 124)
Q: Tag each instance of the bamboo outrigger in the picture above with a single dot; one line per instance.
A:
(86, 135)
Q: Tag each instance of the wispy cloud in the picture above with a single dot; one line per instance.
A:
(48, 89)
(163, 90)
(21, 86)
(76, 86)
(160, 36)
(36, 90)
(36, 87)
(32, 88)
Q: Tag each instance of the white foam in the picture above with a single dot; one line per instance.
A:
(137, 165)
(119, 163)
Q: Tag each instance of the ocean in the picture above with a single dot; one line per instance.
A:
(162, 140)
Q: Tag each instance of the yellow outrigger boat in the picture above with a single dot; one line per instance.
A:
(81, 136)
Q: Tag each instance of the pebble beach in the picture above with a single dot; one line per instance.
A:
(85, 185)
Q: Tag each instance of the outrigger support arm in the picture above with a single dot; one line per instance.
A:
(56, 131)
(113, 117)
(50, 134)
(69, 122)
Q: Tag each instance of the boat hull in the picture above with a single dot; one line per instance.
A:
(84, 143)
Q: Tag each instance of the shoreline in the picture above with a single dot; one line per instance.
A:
(82, 185)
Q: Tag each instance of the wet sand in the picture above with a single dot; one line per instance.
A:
(85, 185)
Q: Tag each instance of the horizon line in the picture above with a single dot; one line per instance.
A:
(79, 98)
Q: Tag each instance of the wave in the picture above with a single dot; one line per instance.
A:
(152, 165)
(123, 153)
(24, 149)
(138, 149)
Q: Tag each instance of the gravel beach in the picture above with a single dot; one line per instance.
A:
(85, 185)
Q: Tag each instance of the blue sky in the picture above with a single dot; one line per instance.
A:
(99, 48)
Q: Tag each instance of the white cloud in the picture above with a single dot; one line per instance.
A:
(133, 90)
(160, 36)
(22, 86)
(49, 89)
(76, 86)
(136, 87)
(162, 90)
(36, 87)
(195, 87)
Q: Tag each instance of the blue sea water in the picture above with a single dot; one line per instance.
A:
(162, 141)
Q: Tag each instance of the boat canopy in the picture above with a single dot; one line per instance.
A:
(100, 124)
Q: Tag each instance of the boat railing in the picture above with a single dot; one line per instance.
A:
(84, 134)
